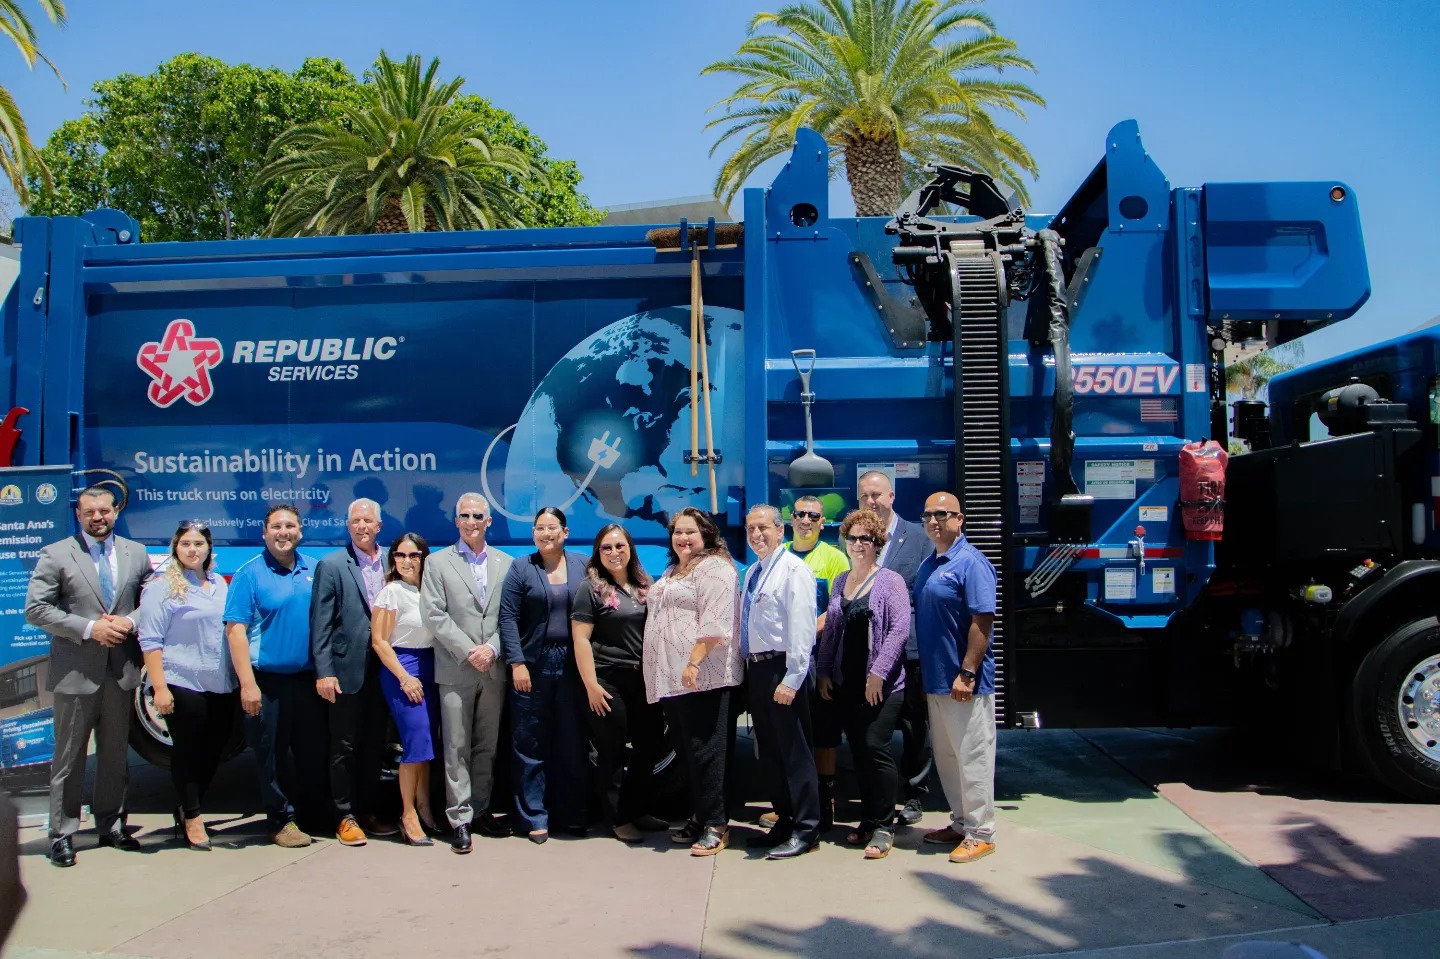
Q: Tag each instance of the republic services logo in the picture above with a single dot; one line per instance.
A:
(179, 365)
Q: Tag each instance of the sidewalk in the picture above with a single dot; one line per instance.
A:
(1091, 862)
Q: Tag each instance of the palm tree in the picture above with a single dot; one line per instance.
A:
(890, 84)
(1250, 376)
(403, 159)
(18, 155)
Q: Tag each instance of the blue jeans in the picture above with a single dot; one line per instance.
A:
(549, 734)
(291, 741)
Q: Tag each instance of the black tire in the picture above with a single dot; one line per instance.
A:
(1396, 733)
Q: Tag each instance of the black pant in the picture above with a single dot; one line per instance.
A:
(359, 722)
(289, 739)
(701, 719)
(200, 727)
(626, 782)
(869, 729)
(786, 756)
(914, 727)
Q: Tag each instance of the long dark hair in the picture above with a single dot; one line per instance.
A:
(714, 543)
(602, 583)
(394, 575)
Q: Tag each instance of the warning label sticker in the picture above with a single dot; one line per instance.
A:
(1111, 479)
(1120, 583)
(1163, 580)
(1154, 514)
(1194, 377)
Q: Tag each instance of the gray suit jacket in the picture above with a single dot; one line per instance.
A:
(908, 548)
(64, 598)
(451, 606)
(340, 620)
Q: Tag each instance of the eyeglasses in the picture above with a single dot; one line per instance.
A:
(938, 515)
(194, 524)
(614, 547)
(858, 540)
(477, 517)
(807, 514)
(408, 555)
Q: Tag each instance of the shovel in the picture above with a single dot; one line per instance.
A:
(809, 469)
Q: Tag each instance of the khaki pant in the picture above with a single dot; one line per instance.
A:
(963, 738)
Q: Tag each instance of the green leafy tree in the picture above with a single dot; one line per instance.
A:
(19, 160)
(552, 193)
(178, 149)
(890, 84)
(405, 158)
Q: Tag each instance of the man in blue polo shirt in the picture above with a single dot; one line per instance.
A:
(954, 614)
(267, 627)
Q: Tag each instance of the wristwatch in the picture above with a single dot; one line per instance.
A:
(969, 674)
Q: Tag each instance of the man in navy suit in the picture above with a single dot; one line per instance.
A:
(347, 673)
(906, 549)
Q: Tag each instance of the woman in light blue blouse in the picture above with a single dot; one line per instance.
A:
(182, 637)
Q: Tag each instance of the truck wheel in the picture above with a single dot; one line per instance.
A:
(1395, 710)
(149, 736)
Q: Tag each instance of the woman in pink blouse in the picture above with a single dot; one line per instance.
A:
(691, 662)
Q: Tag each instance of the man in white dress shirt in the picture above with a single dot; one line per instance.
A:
(777, 631)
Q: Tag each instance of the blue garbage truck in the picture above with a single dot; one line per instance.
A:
(1063, 374)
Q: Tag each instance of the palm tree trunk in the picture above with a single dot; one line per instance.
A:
(875, 173)
(393, 220)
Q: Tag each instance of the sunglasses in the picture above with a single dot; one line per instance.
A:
(614, 548)
(408, 555)
(194, 524)
(477, 517)
(857, 540)
(806, 514)
(938, 515)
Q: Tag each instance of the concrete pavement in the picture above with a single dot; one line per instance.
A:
(1118, 844)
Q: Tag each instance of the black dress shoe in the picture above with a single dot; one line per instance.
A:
(120, 839)
(912, 813)
(460, 839)
(791, 848)
(62, 851)
(771, 839)
(491, 826)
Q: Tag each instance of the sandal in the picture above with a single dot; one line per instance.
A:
(711, 841)
(687, 833)
(860, 835)
(879, 845)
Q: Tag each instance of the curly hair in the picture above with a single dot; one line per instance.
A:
(870, 525)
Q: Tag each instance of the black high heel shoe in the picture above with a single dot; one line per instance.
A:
(182, 836)
(410, 840)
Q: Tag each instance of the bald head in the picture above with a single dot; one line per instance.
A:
(877, 494)
(943, 520)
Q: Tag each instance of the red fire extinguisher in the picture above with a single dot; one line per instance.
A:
(1202, 489)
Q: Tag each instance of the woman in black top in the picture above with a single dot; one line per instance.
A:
(547, 724)
(608, 626)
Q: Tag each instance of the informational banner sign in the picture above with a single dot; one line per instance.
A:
(34, 511)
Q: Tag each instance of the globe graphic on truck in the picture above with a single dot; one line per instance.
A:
(604, 435)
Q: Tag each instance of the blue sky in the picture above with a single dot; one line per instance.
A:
(1259, 90)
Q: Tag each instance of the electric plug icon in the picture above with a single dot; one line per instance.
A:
(603, 453)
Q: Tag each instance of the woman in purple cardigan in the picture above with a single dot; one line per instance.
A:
(862, 666)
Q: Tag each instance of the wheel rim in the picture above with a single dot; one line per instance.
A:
(1419, 707)
(152, 722)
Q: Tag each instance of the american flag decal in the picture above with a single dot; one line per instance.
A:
(1158, 410)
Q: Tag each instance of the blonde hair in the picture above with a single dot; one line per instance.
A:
(175, 570)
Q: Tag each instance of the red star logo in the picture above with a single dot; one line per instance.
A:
(180, 365)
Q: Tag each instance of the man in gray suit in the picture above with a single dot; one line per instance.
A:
(347, 674)
(460, 598)
(84, 593)
(906, 549)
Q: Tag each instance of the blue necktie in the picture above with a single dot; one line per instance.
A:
(107, 578)
(745, 614)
